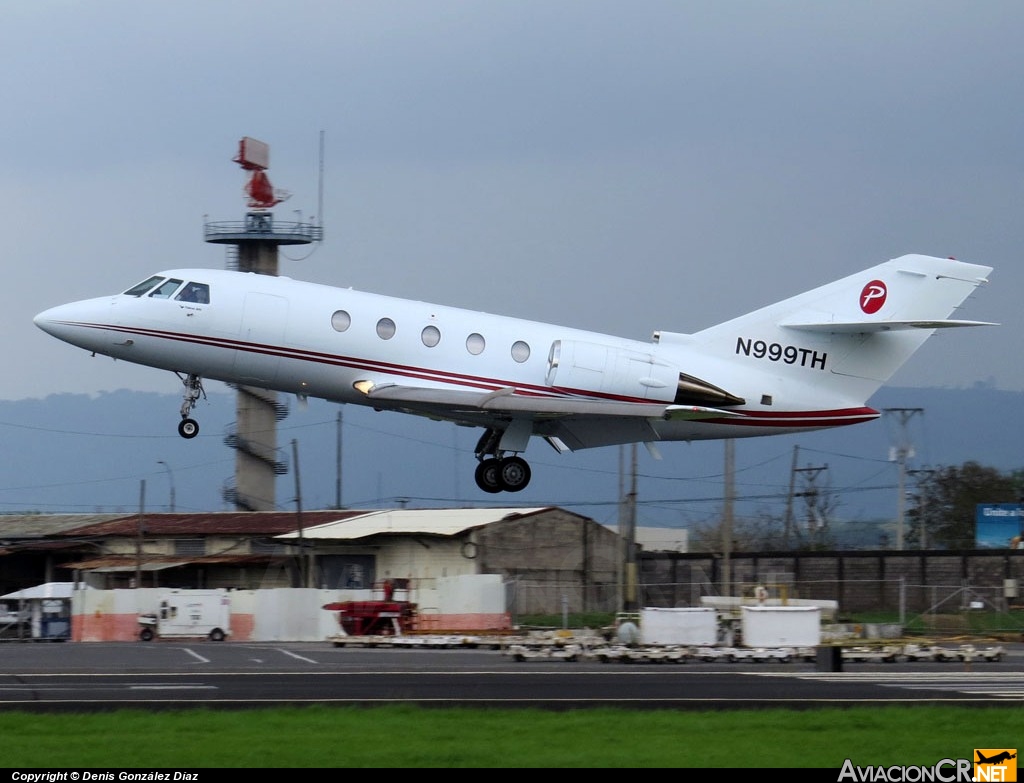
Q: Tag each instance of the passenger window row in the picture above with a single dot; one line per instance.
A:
(430, 336)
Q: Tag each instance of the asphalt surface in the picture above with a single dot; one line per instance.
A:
(176, 674)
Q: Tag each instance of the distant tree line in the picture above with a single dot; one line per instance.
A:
(944, 499)
(947, 498)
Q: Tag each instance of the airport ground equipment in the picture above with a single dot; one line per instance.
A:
(188, 614)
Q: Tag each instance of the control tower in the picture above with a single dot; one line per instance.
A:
(253, 247)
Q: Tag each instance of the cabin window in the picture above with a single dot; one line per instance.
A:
(341, 321)
(475, 344)
(195, 292)
(520, 351)
(143, 287)
(166, 288)
(431, 336)
(386, 328)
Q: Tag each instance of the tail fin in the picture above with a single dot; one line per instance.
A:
(864, 327)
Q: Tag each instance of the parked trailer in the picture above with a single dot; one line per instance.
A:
(862, 654)
(965, 652)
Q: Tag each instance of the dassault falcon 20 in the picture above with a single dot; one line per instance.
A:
(808, 362)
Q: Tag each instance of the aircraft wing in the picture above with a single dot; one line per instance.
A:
(484, 407)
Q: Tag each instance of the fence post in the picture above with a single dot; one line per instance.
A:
(903, 600)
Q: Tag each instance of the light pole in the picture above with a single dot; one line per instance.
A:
(170, 478)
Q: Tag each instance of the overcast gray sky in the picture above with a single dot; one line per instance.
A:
(617, 166)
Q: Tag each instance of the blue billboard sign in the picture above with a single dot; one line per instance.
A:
(998, 525)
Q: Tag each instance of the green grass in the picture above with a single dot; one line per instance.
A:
(574, 620)
(413, 737)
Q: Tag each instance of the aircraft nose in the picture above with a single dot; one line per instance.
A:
(77, 322)
(56, 320)
(47, 319)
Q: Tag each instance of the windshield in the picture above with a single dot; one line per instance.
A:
(166, 288)
(145, 285)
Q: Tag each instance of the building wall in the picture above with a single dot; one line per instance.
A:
(466, 603)
(422, 559)
(552, 562)
(859, 581)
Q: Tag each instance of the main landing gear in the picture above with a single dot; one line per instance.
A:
(189, 428)
(496, 472)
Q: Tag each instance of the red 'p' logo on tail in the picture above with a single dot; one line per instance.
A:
(872, 297)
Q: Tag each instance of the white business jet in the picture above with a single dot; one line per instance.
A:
(806, 363)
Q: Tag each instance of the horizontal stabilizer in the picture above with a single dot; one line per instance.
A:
(863, 327)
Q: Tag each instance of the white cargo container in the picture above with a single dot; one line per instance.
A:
(697, 626)
(781, 626)
(189, 613)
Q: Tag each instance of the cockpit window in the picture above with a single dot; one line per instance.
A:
(145, 285)
(166, 288)
(195, 292)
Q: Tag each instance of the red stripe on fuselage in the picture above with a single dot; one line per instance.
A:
(768, 419)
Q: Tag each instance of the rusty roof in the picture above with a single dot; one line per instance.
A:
(267, 523)
(155, 562)
(21, 526)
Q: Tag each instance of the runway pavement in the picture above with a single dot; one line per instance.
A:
(166, 674)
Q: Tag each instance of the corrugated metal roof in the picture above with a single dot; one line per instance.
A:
(435, 522)
(268, 523)
(48, 590)
(157, 562)
(20, 526)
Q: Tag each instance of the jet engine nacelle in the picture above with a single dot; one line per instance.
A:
(592, 368)
(584, 367)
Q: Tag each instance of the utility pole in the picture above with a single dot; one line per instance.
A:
(139, 534)
(815, 521)
(630, 603)
(303, 571)
(337, 476)
(899, 454)
(787, 525)
(170, 477)
(922, 505)
(727, 516)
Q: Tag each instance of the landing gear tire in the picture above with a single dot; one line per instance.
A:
(487, 477)
(514, 473)
(188, 428)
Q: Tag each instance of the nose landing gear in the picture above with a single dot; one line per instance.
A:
(188, 428)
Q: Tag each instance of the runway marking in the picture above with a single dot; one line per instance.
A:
(1007, 685)
(176, 687)
(298, 657)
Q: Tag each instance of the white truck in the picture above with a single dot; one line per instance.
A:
(189, 613)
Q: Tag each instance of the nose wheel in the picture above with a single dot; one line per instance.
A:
(502, 474)
(188, 427)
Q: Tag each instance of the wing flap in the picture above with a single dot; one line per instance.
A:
(505, 401)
